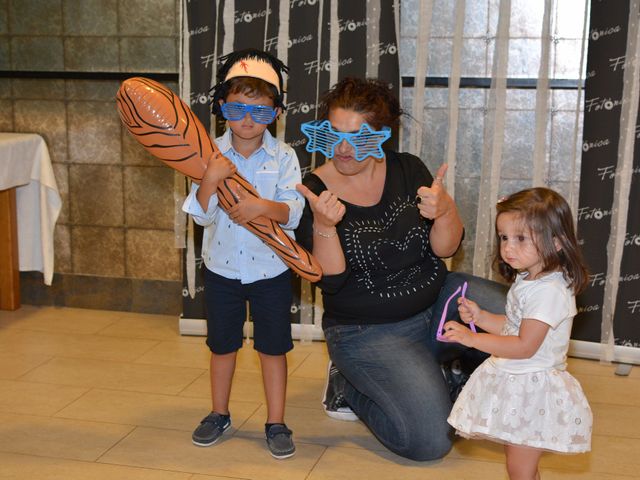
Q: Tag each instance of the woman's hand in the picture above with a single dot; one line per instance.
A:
(327, 209)
(434, 201)
(435, 204)
(327, 212)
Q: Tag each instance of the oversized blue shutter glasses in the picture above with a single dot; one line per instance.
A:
(324, 138)
(260, 113)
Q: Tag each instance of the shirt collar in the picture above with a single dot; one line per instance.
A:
(269, 143)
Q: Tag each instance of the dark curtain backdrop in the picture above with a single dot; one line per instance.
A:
(361, 41)
(602, 115)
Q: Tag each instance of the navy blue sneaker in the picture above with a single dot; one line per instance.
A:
(279, 441)
(210, 429)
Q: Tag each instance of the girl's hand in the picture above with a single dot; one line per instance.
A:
(327, 209)
(456, 332)
(247, 209)
(469, 310)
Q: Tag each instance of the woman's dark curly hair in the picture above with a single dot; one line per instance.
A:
(371, 98)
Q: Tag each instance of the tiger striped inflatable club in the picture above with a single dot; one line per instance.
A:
(163, 124)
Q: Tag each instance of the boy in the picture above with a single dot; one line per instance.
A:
(239, 266)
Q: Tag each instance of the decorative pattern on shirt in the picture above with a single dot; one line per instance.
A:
(370, 245)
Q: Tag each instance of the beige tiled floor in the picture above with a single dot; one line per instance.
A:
(112, 395)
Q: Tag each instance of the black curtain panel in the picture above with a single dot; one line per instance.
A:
(324, 41)
(600, 163)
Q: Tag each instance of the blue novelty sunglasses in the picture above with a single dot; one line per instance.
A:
(324, 138)
(260, 113)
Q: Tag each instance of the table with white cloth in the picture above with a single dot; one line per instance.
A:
(29, 207)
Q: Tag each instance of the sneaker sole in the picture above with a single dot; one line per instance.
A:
(349, 416)
(282, 457)
(202, 444)
(344, 416)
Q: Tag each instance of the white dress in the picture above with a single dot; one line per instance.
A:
(533, 402)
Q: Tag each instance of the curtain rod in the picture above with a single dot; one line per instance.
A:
(465, 82)
(87, 75)
(484, 82)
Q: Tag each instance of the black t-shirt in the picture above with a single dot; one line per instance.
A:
(391, 273)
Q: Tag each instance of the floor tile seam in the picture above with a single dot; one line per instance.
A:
(118, 361)
(289, 374)
(192, 382)
(51, 417)
(32, 328)
(610, 404)
(118, 442)
(246, 420)
(618, 378)
(48, 360)
(142, 354)
(316, 463)
(191, 474)
(82, 394)
(604, 436)
(175, 393)
(308, 441)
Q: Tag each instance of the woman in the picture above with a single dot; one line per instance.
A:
(379, 224)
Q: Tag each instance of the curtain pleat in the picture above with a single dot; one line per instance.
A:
(422, 54)
(542, 102)
(454, 91)
(622, 181)
(573, 193)
(492, 149)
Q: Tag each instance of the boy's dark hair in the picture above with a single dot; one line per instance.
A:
(249, 85)
(371, 98)
(548, 217)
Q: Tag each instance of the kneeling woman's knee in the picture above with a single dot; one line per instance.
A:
(429, 447)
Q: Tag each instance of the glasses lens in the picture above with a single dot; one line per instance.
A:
(234, 110)
(262, 113)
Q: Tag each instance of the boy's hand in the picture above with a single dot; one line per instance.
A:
(247, 209)
(469, 310)
(327, 209)
(456, 332)
(218, 168)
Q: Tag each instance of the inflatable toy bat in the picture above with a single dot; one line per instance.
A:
(163, 124)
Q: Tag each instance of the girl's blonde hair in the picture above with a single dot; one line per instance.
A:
(548, 217)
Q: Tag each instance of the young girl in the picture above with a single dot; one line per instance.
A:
(522, 395)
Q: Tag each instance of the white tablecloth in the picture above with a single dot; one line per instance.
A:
(25, 164)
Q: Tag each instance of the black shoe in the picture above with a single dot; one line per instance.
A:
(210, 429)
(333, 400)
(279, 441)
(455, 377)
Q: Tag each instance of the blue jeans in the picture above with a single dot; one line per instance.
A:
(393, 378)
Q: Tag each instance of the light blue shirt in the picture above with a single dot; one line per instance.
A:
(231, 250)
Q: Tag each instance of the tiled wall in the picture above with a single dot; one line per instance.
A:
(114, 241)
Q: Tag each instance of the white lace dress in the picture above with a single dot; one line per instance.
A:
(533, 402)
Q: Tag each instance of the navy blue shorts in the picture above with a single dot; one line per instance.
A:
(270, 307)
